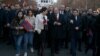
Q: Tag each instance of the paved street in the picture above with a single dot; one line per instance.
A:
(8, 50)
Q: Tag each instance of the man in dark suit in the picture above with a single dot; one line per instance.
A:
(68, 11)
(12, 13)
(57, 31)
(6, 24)
(90, 33)
(62, 9)
(50, 16)
(1, 19)
(93, 43)
(67, 15)
(75, 28)
(97, 28)
(84, 23)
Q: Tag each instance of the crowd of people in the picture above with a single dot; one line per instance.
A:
(52, 27)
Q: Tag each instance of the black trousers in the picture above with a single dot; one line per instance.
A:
(55, 45)
(98, 44)
(67, 39)
(98, 51)
(7, 34)
(91, 43)
(41, 43)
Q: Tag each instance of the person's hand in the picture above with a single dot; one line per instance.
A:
(77, 28)
(71, 21)
(58, 23)
(20, 27)
(55, 23)
(8, 24)
(47, 19)
(16, 28)
(45, 23)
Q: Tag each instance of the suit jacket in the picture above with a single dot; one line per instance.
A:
(58, 31)
(84, 22)
(50, 17)
(97, 28)
(50, 14)
(6, 17)
(90, 20)
(12, 15)
(62, 12)
(73, 23)
(1, 16)
(97, 24)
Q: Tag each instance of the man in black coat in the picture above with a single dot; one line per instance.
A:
(97, 28)
(90, 30)
(12, 13)
(75, 28)
(6, 25)
(84, 23)
(57, 31)
(50, 16)
(62, 11)
(1, 19)
(67, 15)
(93, 44)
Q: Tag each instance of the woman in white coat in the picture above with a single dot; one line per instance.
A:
(41, 26)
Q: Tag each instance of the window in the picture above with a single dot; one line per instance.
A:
(41, 1)
(44, 1)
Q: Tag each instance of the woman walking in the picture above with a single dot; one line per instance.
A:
(18, 31)
(29, 34)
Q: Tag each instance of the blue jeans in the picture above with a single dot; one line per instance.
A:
(18, 41)
(28, 39)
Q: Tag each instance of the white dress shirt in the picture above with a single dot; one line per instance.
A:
(76, 18)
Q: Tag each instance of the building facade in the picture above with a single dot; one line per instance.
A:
(71, 3)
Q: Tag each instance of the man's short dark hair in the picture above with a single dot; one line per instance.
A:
(75, 10)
